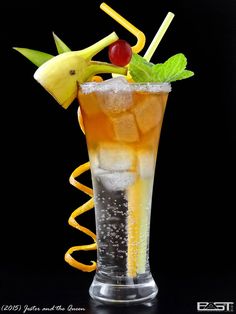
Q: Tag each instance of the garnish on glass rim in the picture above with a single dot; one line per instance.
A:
(60, 74)
(171, 70)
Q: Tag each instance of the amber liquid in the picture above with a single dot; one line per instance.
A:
(122, 132)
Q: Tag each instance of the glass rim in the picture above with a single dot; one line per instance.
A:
(153, 87)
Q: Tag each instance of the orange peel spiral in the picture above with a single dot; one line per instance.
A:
(72, 221)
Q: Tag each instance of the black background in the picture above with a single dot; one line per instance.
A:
(193, 226)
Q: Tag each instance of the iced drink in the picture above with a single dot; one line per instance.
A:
(122, 124)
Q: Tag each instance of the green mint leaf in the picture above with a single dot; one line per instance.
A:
(158, 73)
(61, 46)
(35, 56)
(140, 69)
(174, 65)
(171, 70)
(184, 75)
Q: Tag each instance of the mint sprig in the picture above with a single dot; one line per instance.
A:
(171, 70)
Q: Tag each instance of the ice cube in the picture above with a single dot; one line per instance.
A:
(117, 181)
(125, 128)
(93, 158)
(146, 163)
(115, 84)
(116, 157)
(116, 96)
(149, 112)
(94, 164)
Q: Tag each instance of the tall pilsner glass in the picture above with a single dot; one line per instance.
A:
(122, 124)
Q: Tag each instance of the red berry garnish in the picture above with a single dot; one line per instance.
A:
(120, 52)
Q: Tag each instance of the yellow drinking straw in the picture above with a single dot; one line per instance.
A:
(158, 37)
(135, 261)
(141, 39)
(85, 167)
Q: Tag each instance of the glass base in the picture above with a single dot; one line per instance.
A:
(120, 292)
